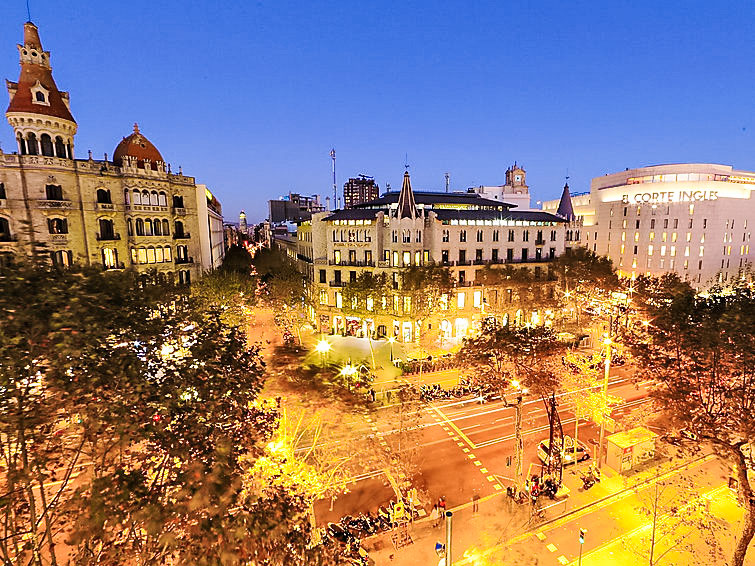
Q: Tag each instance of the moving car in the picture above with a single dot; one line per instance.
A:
(567, 454)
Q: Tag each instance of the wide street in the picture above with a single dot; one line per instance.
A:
(466, 448)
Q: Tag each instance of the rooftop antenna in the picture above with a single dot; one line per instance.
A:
(567, 175)
(406, 162)
(28, 11)
(335, 187)
(448, 180)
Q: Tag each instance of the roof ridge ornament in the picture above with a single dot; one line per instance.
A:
(407, 207)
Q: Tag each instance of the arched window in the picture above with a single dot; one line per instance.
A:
(159, 255)
(69, 147)
(157, 227)
(166, 228)
(127, 197)
(178, 201)
(163, 199)
(145, 197)
(139, 227)
(21, 145)
(60, 147)
(142, 255)
(150, 255)
(31, 142)
(179, 230)
(137, 197)
(130, 227)
(103, 196)
(109, 258)
(106, 229)
(46, 145)
(153, 199)
(148, 227)
(57, 225)
(167, 253)
(40, 96)
(5, 235)
(134, 256)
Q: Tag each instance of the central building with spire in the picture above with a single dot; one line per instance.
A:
(130, 211)
(409, 231)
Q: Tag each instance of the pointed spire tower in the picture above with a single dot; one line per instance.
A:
(407, 208)
(565, 208)
(38, 112)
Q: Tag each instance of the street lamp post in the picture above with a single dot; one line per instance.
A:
(449, 559)
(518, 448)
(607, 343)
(391, 340)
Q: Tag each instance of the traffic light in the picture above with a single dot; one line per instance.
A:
(582, 536)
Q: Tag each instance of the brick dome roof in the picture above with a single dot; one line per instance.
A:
(136, 145)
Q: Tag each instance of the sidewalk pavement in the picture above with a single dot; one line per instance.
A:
(500, 521)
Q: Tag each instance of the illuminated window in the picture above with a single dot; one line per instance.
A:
(686, 251)
(407, 258)
(443, 301)
(159, 255)
(134, 256)
(323, 297)
(650, 249)
(417, 258)
(663, 251)
(407, 304)
(370, 304)
(623, 236)
(636, 236)
(652, 236)
(460, 300)
(672, 251)
(702, 250)
(622, 249)
(339, 300)
(689, 236)
(142, 255)
(673, 237)
(167, 253)
(395, 259)
(150, 255)
(477, 299)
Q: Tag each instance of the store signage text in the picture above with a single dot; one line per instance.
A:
(669, 196)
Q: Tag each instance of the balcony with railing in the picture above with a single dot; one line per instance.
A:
(104, 206)
(108, 237)
(348, 263)
(179, 211)
(540, 242)
(54, 204)
(337, 283)
(59, 238)
(182, 236)
(115, 267)
(184, 260)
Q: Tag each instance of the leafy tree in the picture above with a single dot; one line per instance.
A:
(424, 285)
(530, 355)
(584, 275)
(128, 421)
(700, 351)
(283, 288)
(364, 297)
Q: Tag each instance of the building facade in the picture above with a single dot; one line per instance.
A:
(293, 208)
(514, 191)
(399, 231)
(693, 219)
(358, 190)
(211, 232)
(131, 211)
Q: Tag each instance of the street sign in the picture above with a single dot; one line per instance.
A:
(582, 536)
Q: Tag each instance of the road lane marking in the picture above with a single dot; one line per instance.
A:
(478, 463)
(453, 426)
(497, 487)
(552, 547)
(484, 470)
(471, 456)
(563, 559)
(491, 478)
(465, 450)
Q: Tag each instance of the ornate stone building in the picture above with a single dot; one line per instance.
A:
(128, 211)
(468, 234)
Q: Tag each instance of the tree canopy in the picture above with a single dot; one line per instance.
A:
(700, 351)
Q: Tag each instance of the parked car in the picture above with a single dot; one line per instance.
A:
(567, 454)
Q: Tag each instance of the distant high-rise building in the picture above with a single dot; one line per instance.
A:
(360, 190)
(242, 222)
(294, 207)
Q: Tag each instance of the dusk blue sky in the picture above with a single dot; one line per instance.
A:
(249, 97)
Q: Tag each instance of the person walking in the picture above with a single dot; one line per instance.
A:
(435, 514)
(475, 502)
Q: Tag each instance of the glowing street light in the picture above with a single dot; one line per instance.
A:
(323, 347)
(391, 340)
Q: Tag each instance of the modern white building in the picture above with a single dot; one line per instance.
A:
(211, 234)
(694, 219)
